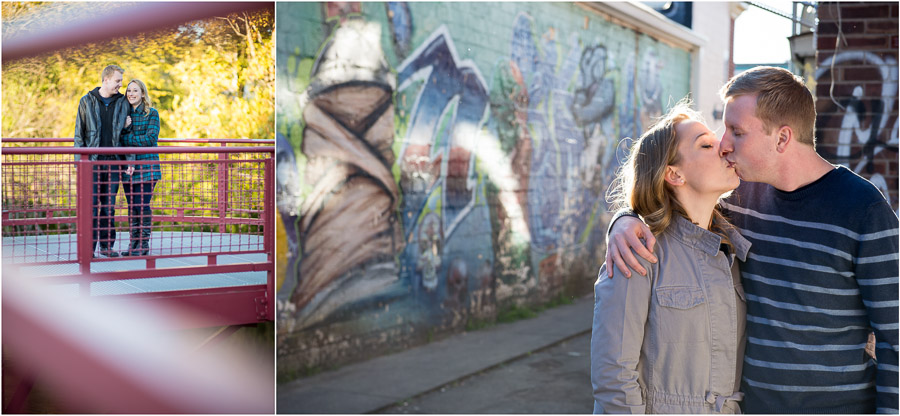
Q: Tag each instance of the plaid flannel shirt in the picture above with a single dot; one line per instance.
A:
(144, 133)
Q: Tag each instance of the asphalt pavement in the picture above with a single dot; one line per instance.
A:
(537, 365)
(555, 380)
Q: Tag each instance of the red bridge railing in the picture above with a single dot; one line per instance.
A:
(213, 213)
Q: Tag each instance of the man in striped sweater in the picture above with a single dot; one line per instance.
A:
(823, 269)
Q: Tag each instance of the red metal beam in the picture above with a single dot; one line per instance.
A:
(123, 21)
(51, 346)
(269, 237)
(84, 227)
(186, 219)
(16, 403)
(154, 272)
(202, 308)
(55, 150)
(42, 220)
(115, 356)
(161, 140)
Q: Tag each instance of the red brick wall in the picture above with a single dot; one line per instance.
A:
(858, 127)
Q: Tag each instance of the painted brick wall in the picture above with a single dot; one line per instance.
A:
(439, 163)
(858, 126)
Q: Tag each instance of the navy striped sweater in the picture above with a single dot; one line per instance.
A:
(821, 275)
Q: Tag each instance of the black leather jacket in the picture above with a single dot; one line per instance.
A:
(87, 123)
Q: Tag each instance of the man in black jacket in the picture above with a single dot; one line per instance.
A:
(102, 119)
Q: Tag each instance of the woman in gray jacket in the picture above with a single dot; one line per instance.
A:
(672, 341)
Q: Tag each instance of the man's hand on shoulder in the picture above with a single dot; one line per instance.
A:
(624, 236)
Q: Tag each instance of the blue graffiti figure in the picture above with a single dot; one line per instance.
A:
(438, 156)
(435, 154)
(558, 141)
(596, 97)
(401, 26)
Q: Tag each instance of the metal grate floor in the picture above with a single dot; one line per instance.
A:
(20, 251)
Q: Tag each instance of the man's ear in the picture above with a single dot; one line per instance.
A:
(784, 136)
(673, 177)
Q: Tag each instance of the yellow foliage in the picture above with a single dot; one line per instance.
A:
(213, 78)
(208, 79)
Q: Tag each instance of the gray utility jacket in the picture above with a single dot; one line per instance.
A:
(87, 122)
(672, 341)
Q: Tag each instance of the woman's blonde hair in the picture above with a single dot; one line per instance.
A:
(145, 95)
(640, 184)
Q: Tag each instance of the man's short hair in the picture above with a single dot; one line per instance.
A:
(109, 70)
(782, 99)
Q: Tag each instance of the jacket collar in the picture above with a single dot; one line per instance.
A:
(708, 241)
(96, 93)
(741, 244)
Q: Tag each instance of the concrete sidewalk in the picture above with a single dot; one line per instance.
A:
(373, 385)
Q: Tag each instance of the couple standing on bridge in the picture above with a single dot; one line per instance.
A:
(106, 118)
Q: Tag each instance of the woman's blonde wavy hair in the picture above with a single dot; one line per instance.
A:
(640, 184)
(145, 99)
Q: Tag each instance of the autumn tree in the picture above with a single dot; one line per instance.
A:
(212, 78)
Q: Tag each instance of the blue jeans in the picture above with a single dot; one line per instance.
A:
(139, 195)
(105, 188)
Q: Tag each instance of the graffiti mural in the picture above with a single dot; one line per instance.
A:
(347, 139)
(449, 109)
(650, 90)
(438, 178)
(867, 130)
(430, 195)
(401, 26)
(547, 69)
(287, 190)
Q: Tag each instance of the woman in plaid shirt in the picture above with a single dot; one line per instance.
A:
(140, 179)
